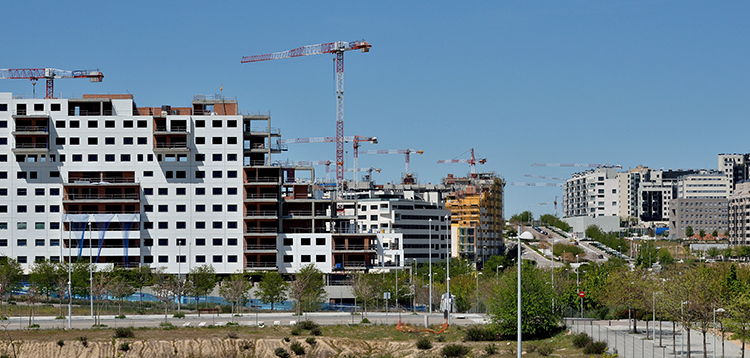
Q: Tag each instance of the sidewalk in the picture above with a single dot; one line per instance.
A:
(627, 345)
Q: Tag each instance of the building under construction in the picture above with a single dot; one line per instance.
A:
(476, 205)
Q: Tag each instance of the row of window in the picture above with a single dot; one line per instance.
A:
(180, 225)
(93, 123)
(198, 242)
(37, 208)
(37, 191)
(37, 242)
(125, 140)
(179, 174)
(181, 208)
(22, 225)
(146, 259)
(183, 191)
(304, 258)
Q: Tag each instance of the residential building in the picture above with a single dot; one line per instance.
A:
(735, 166)
(592, 193)
(739, 214)
(707, 214)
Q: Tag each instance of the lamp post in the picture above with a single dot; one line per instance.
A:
(429, 255)
(682, 336)
(448, 268)
(497, 273)
(478, 273)
(91, 274)
(720, 310)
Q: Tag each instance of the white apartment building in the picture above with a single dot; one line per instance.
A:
(735, 166)
(706, 184)
(122, 185)
(629, 182)
(592, 193)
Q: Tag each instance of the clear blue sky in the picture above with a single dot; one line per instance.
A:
(658, 83)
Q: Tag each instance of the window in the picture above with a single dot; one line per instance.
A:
(93, 157)
(200, 123)
(21, 191)
(21, 225)
(181, 259)
(180, 208)
(22, 259)
(232, 123)
(54, 208)
(3, 208)
(232, 258)
(320, 258)
(39, 225)
(4, 192)
(232, 207)
(217, 224)
(21, 175)
(217, 191)
(169, 174)
(231, 173)
(148, 225)
(200, 224)
(140, 157)
(148, 173)
(55, 173)
(60, 124)
(163, 259)
(231, 191)
(163, 191)
(320, 241)
(200, 157)
(163, 242)
(39, 242)
(127, 141)
(200, 208)
(231, 224)
(39, 208)
(216, 174)
(39, 191)
(180, 174)
(217, 208)
(142, 124)
(163, 225)
(217, 157)
(54, 226)
(77, 157)
(163, 208)
(148, 191)
(231, 140)
(4, 226)
(200, 140)
(148, 242)
(305, 258)
(124, 157)
(21, 242)
(217, 259)
(181, 242)
(93, 140)
(148, 259)
(216, 140)
(181, 191)
(148, 208)
(60, 141)
(75, 141)
(142, 140)
(232, 157)
(21, 208)
(4, 158)
(127, 124)
(288, 258)
(199, 174)
(232, 242)
(54, 191)
(288, 242)
(217, 242)
(3, 242)
(216, 123)
(200, 258)
(200, 242)
(200, 191)
(3, 141)
(305, 241)
(93, 124)
(75, 124)
(32, 175)
(3, 175)
(109, 157)
(181, 225)
(109, 124)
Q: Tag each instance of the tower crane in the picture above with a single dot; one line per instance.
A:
(576, 165)
(472, 162)
(515, 183)
(49, 74)
(338, 48)
(355, 139)
(304, 163)
(543, 177)
(405, 152)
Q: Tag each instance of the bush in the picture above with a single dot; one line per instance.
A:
(122, 316)
(545, 349)
(478, 334)
(60, 343)
(531, 347)
(317, 331)
(286, 339)
(34, 325)
(311, 341)
(581, 340)
(455, 350)
(84, 341)
(281, 352)
(232, 324)
(124, 332)
(441, 338)
(167, 326)
(297, 348)
(178, 315)
(365, 320)
(597, 347)
(295, 332)
(490, 349)
(424, 343)
(307, 324)
(125, 346)
(233, 335)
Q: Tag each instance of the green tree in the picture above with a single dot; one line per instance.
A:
(235, 290)
(522, 218)
(628, 288)
(702, 233)
(139, 278)
(726, 253)
(44, 277)
(202, 281)
(10, 276)
(554, 221)
(80, 283)
(364, 288)
(739, 321)
(537, 316)
(164, 287)
(715, 233)
(308, 288)
(689, 232)
(272, 288)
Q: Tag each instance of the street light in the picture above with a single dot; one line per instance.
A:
(682, 336)
(478, 273)
(720, 310)
(527, 236)
(497, 273)
(429, 255)
(448, 268)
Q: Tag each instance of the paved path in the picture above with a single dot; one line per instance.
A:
(627, 345)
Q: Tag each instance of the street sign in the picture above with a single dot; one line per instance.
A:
(581, 294)
(386, 295)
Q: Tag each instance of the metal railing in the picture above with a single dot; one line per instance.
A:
(259, 247)
(32, 129)
(100, 180)
(101, 196)
(262, 230)
(298, 213)
(181, 129)
(261, 196)
(262, 180)
(31, 145)
(102, 212)
(355, 264)
(273, 130)
(26, 112)
(261, 264)
(261, 213)
(351, 247)
(171, 145)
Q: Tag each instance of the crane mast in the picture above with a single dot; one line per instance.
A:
(338, 48)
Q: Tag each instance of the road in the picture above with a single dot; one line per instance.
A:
(269, 319)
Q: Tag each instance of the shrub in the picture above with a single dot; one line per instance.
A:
(125, 346)
(178, 315)
(597, 347)
(286, 339)
(441, 338)
(295, 332)
(84, 341)
(60, 343)
(297, 348)
(490, 349)
(233, 335)
(545, 349)
(455, 350)
(365, 320)
(167, 326)
(424, 343)
(232, 324)
(246, 345)
(477, 334)
(316, 331)
(531, 347)
(122, 316)
(281, 352)
(58, 317)
(307, 324)
(124, 332)
(311, 341)
(34, 325)
(581, 340)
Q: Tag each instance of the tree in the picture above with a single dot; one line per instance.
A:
(689, 232)
(522, 218)
(164, 288)
(537, 316)
(739, 321)
(702, 233)
(202, 281)
(626, 288)
(140, 278)
(44, 276)
(235, 290)
(10, 276)
(120, 287)
(363, 288)
(272, 288)
(99, 290)
(61, 286)
(308, 288)
(715, 233)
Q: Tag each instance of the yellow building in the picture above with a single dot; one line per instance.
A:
(477, 221)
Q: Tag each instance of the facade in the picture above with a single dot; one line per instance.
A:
(735, 166)
(706, 184)
(700, 213)
(629, 182)
(739, 214)
(592, 193)
(477, 220)
(655, 193)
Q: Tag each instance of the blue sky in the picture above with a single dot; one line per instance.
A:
(657, 83)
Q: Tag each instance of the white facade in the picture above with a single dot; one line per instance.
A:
(708, 185)
(592, 193)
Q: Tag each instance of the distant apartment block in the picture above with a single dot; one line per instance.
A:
(592, 193)
(739, 214)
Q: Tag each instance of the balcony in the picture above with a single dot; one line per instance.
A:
(171, 148)
(261, 214)
(352, 247)
(261, 230)
(263, 180)
(31, 130)
(31, 148)
(260, 248)
(298, 214)
(118, 181)
(264, 197)
(102, 198)
(261, 266)
(171, 130)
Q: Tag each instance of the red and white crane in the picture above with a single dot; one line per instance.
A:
(472, 162)
(405, 152)
(355, 139)
(49, 74)
(576, 165)
(338, 48)
(307, 163)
